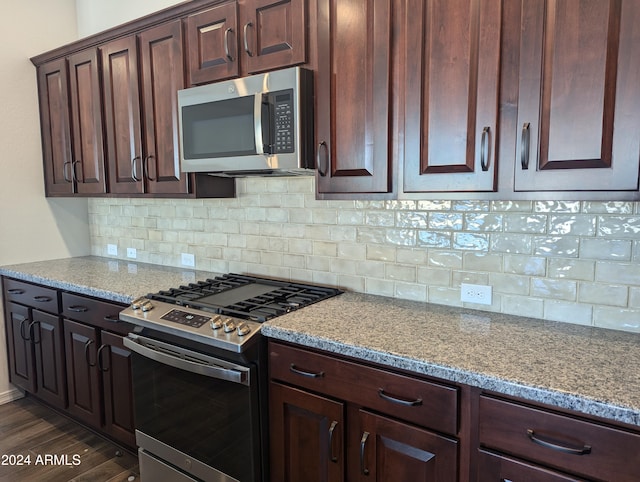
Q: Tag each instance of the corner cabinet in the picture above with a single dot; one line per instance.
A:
(579, 102)
(393, 427)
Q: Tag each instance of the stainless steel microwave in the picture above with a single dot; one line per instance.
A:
(256, 125)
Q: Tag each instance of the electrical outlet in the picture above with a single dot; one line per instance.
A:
(112, 249)
(479, 294)
(187, 259)
(132, 253)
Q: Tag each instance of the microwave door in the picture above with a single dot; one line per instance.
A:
(258, 118)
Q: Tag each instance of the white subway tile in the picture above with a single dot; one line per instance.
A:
(378, 252)
(576, 313)
(400, 272)
(572, 269)
(379, 287)
(558, 289)
(522, 306)
(605, 249)
(567, 246)
(618, 273)
(617, 318)
(444, 259)
(482, 262)
(410, 291)
(603, 294)
(434, 276)
(512, 284)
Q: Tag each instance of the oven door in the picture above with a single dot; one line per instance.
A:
(196, 412)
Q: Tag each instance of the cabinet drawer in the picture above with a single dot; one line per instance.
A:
(102, 314)
(36, 296)
(563, 442)
(494, 467)
(428, 404)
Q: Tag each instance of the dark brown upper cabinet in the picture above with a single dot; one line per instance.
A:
(451, 95)
(141, 111)
(354, 81)
(579, 102)
(245, 37)
(56, 127)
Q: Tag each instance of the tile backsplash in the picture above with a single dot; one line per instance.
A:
(576, 262)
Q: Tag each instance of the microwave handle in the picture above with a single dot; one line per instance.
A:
(257, 120)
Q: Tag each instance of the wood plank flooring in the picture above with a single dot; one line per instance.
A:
(59, 449)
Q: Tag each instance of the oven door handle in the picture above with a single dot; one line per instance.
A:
(197, 363)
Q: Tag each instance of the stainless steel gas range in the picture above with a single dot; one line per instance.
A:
(200, 378)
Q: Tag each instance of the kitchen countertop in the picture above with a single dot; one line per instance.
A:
(590, 370)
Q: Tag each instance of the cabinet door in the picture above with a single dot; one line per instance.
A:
(48, 345)
(579, 103)
(86, 117)
(212, 43)
(162, 76)
(21, 363)
(496, 468)
(55, 125)
(390, 450)
(451, 98)
(114, 361)
(122, 115)
(273, 34)
(354, 117)
(83, 379)
(307, 436)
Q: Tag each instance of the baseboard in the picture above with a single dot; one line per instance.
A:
(10, 395)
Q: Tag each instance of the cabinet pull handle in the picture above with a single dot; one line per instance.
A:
(99, 359)
(484, 149)
(226, 44)
(322, 172)
(86, 352)
(78, 308)
(407, 403)
(15, 291)
(304, 373)
(22, 335)
(246, 39)
(112, 319)
(586, 449)
(363, 444)
(524, 145)
(145, 168)
(32, 334)
(64, 171)
(332, 429)
(74, 174)
(42, 299)
(134, 169)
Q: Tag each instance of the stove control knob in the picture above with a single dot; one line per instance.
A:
(216, 322)
(137, 303)
(243, 329)
(146, 305)
(228, 325)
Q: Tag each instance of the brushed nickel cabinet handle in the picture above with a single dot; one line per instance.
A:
(524, 145)
(15, 291)
(246, 39)
(145, 167)
(226, 44)
(99, 358)
(86, 352)
(134, 169)
(42, 299)
(322, 145)
(363, 445)
(407, 403)
(484, 149)
(304, 373)
(64, 171)
(332, 430)
(78, 308)
(586, 449)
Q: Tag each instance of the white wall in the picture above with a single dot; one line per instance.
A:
(95, 16)
(32, 227)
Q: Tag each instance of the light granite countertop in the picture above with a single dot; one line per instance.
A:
(590, 370)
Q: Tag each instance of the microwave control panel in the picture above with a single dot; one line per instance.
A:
(283, 122)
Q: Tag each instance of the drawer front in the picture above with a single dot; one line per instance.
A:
(102, 314)
(428, 404)
(496, 468)
(36, 296)
(569, 444)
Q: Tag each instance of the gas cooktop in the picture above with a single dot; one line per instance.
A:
(225, 311)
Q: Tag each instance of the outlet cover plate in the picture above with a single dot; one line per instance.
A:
(112, 249)
(479, 294)
(187, 259)
(132, 253)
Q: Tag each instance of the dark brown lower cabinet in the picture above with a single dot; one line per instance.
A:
(498, 468)
(36, 355)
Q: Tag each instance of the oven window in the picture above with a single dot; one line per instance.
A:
(211, 420)
(219, 129)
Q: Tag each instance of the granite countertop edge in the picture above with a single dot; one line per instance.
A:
(578, 403)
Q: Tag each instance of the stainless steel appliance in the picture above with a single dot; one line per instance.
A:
(256, 125)
(199, 376)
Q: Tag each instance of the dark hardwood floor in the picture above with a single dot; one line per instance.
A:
(58, 449)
